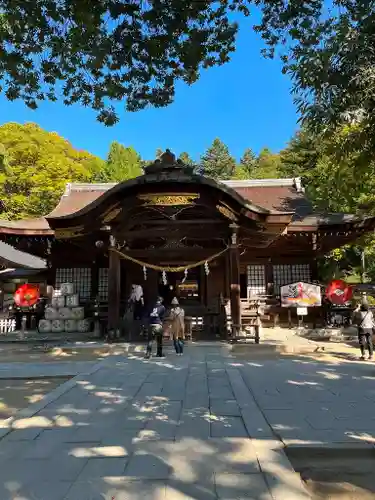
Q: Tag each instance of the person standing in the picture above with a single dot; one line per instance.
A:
(177, 318)
(365, 321)
(155, 328)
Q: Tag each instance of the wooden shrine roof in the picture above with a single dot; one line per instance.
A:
(273, 195)
(11, 257)
(277, 195)
(35, 227)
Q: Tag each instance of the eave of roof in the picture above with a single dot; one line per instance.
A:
(16, 258)
(37, 226)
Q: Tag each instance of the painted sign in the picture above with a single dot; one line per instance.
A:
(300, 295)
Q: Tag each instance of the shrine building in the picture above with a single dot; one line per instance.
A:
(179, 233)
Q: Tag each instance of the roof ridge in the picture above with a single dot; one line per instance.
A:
(87, 186)
(272, 182)
(295, 182)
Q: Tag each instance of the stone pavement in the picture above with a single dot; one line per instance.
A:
(325, 401)
(180, 428)
(38, 370)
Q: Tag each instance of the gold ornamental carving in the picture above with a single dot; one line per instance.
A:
(168, 199)
(226, 212)
(71, 232)
(111, 214)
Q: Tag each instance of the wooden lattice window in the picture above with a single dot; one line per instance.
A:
(301, 272)
(256, 279)
(103, 284)
(284, 274)
(79, 276)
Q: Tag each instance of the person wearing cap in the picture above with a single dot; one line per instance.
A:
(177, 319)
(155, 328)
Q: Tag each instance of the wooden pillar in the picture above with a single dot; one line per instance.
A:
(114, 283)
(269, 278)
(235, 289)
(226, 293)
(94, 280)
(314, 273)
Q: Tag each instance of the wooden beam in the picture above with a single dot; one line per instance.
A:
(181, 222)
(161, 232)
(189, 254)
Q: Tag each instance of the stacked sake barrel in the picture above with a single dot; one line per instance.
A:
(64, 314)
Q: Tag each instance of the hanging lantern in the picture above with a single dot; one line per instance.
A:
(206, 268)
(164, 278)
(145, 273)
(338, 292)
(26, 295)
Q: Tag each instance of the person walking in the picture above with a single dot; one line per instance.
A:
(365, 321)
(177, 319)
(155, 328)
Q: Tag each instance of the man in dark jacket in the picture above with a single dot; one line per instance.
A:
(155, 328)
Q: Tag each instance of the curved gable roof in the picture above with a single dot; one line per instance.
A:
(261, 196)
(151, 180)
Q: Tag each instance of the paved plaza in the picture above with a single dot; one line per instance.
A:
(203, 426)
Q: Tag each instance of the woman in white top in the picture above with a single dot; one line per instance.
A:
(365, 321)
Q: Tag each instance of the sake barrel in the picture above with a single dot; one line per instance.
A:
(58, 326)
(51, 313)
(58, 302)
(67, 288)
(78, 313)
(72, 300)
(83, 326)
(45, 326)
(65, 313)
(70, 325)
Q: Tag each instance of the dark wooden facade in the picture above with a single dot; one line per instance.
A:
(265, 231)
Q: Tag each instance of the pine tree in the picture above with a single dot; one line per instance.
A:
(186, 159)
(300, 157)
(247, 165)
(248, 161)
(217, 162)
(158, 153)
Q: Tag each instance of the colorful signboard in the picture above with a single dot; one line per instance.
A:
(300, 295)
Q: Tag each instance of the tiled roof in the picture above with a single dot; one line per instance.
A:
(33, 226)
(15, 258)
(282, 195)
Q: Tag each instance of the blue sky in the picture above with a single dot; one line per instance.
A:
(245, 103)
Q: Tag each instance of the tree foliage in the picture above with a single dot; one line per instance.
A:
(36, 167)
(186, 159)
(217, 162)
(338, 183)
(92, 53)
(248, 161)
(329, 53)
(267, 165)
(122, 163)
(100, 53)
